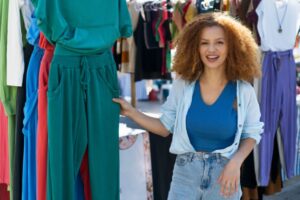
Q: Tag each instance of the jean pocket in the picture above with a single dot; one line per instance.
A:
(223, 161)
(181, 160)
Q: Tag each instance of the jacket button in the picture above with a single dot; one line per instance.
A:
(239, 105)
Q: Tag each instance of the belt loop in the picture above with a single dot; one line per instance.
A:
(193, 157)
(218, 155)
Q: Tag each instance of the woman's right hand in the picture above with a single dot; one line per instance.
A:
(126, 108)
(151, 124)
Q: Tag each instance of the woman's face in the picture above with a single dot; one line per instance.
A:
(213, 48)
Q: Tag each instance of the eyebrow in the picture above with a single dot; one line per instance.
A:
(215, 39)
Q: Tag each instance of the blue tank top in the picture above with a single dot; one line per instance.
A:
(212, 127)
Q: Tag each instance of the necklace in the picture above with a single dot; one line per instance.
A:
(280, 21)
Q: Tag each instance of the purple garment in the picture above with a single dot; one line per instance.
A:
(278, 109)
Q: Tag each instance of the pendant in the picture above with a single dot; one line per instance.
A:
(279, 29)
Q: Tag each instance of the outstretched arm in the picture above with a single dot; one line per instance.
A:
(149, 123)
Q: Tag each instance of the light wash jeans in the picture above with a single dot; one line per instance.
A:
(195, 177)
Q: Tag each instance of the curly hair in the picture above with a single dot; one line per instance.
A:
(242, 62)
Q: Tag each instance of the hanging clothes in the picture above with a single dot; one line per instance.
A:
(32, 38)
(15, 59)
(33, 34)
(278, 107)
(42, 133)
(149, 62)
(278, 24)
(130, 44)
(81, 115)
(252, 19)
(4, 193)
(68, 24)
(205, 6)
(7, 93)
(297, 163)
(4, 148)
(19, 137)
(275, 15)
(30, 125)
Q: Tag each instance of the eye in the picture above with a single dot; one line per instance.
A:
(220, 42)
(203, 43)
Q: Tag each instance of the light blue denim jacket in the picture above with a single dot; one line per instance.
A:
(175, 109)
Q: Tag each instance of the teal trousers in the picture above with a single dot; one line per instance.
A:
(81, 115)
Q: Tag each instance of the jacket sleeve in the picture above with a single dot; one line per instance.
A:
(169, 108)
(253, 127)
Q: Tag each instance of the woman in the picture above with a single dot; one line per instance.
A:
(212, 109)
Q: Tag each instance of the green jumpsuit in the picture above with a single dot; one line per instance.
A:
(82, 83)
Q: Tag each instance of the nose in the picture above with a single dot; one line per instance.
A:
(211, 48)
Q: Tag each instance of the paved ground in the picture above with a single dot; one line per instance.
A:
(290, 191)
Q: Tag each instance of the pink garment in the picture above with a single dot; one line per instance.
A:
(4, 148)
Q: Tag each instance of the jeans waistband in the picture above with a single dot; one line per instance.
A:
(200, 156)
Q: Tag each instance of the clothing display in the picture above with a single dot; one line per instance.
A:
(30, 125)
(252, 19)
(278, 24)
(4, 193)
(134, 16)
(204, 6)
(7, 93)
(4, 149)
(11, 141)
(15, 59)
(59, 128)
(297, 161)
(149, 62)
(76, 112)
(278, 106)
(19, 136)
(71, 28)
(33, 32)
(42, 133)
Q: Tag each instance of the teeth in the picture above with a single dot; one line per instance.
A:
(212, 57)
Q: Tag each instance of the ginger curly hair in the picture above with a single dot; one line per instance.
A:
(242, 62)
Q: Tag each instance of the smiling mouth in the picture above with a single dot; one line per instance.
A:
(212, 58)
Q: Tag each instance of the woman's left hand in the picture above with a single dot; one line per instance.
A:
(230, 178)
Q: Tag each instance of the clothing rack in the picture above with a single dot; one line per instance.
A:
(132, 76)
